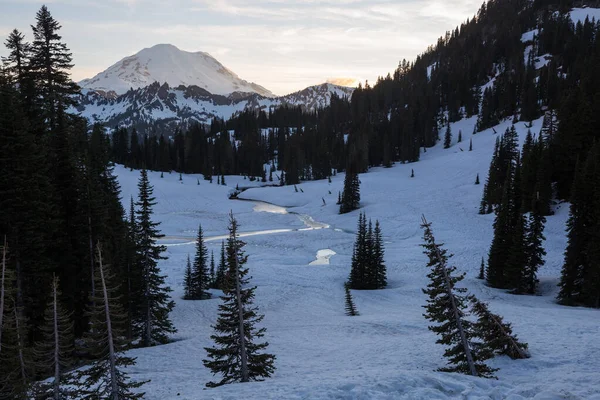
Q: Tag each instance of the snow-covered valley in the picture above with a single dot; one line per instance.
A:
(387, 352)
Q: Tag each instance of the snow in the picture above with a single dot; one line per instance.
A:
(529, 36)
(166, 63)
(580, 14)
(387, 352)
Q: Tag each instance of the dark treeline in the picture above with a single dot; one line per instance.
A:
(66, 241)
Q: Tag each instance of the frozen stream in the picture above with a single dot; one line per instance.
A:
(260, 206)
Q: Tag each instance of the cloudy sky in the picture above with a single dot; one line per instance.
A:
(283, 45)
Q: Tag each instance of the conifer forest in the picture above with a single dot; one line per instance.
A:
(169, 230)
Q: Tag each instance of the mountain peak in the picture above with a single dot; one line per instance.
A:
(167, 63)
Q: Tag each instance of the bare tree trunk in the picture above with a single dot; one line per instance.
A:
(56, 341)
(111, 347)
(238, 293)
(20, 347)
(2, 290)
(457, 317)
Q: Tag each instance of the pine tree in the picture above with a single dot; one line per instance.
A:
(459, 136)
(446, 307)
(351, 194)
(448, 137)
(481, 270)
(496, 334)
(350, 307)
(535, 251)
(471, 144)
(221, 269)
(236, 356)
(213, 277)
(188, 280)
(200, 276)
(16, 365)
(477, 179)
(377, 258)
(412, 173)
(152, 323)
(105, 378)
(50, 62)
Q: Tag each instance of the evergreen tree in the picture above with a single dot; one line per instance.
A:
(350, 307)
(236, 355)
(213, 277)
(152, 323)
(221, 269)
(481, 270)
(496, 334)
(534, 241)
(351, 193)
(471, 144)
(447, 309)
(54, 354)
(200, 275)
(105, 378)
(50, 62)
(477, 179)
(448, 137)
(377, 258)
(459, 136)
(188, 280)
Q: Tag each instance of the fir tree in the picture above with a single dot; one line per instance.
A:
(50, 62)
(535, 251)
(377, 258)
(236, 355)
(481, 270)
(152, 324)
(351, 194)
(496, 334)
(448, 137)
(221, 269)
(447, 309)
(188, 280)
(54, 354)
(200, 275)
(471, 144)
(477, 180)
(105, 378)
(213, 277)
(350, 307)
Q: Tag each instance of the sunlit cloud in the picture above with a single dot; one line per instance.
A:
(283, 45)
(350, 82)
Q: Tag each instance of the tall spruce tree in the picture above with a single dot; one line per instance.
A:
(448, 137)
(236, 356)
(351, 194)
(212, 277)
(50, 62)
(153, 324)
(200, 274)
(105, 341)
(534, 245)
(221, 269)
(378, 257)
(447, 309)
(188, 280)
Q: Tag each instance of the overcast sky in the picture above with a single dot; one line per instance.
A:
(283, 45)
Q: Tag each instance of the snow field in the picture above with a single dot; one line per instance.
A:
(387, 352)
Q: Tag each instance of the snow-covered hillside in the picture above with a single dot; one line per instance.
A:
(165, 63)
(387, 352)
(162, 105)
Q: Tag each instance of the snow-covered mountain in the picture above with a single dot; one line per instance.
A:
(166, 63)
(163, 106)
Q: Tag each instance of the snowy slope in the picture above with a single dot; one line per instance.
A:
(387, 352)
(166, 63)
